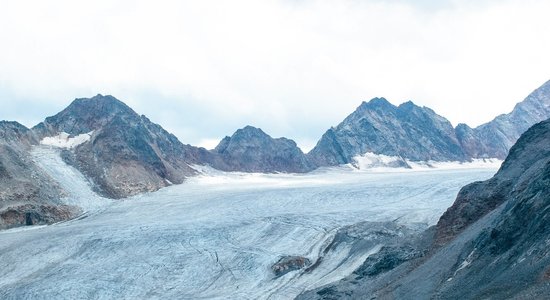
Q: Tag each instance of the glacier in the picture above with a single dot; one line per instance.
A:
(215, 236)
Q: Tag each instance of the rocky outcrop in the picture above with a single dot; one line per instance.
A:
(491, 244)
(406, 131)
(288, 264)
(126, 154)
(36, 214)
(251, 150)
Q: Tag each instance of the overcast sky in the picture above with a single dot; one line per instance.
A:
(294, 68)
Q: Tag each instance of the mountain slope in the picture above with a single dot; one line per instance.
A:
(126, 153)
(251, 150)
(27, 194)
(495, 138)
(407, 131)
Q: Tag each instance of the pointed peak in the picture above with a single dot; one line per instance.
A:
(86, 114)
(251, 131)
(251, 128)
(378, 102)
(407, 104)
(107, 103)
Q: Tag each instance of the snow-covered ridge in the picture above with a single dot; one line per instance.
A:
(381, 162)
(64, 140)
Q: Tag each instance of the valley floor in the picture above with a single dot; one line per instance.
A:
(217, 235)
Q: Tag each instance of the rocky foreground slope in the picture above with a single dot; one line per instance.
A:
(491, 244)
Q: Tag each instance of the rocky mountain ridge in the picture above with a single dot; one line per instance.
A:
(412, 133)
(406, 131)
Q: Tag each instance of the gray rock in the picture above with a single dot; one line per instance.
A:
(407, 131)
(495, 138)
(252, 150)
(288, 264)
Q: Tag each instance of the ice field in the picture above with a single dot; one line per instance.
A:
(215, 236)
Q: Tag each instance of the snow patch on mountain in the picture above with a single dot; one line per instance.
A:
(78, 189)
(64, 140)
(380, 162)
(370, 160)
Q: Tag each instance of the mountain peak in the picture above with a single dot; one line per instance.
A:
(108, 104)
(249, 128)
(376, 102)
(408, 104)
(249, 132)
(250, 149)
(85, 114)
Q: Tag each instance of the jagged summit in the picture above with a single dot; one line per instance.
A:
(379, 127)
(84, 115)
(377, 101)
(250, 131)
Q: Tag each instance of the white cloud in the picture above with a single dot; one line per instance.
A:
(293, 68)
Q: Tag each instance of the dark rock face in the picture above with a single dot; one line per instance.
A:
(407, 131)
(34, 214)
(127, 154)
(495, 138)
(491, 244)
(252, 150)
(288, 264)
(387, 259)
(24, 187)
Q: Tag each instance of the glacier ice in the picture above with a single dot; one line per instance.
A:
(216, 235)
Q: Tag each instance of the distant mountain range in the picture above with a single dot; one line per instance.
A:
(123, 153)
(410, 132)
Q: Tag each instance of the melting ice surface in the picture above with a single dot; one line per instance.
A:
(217, 235)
